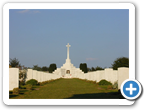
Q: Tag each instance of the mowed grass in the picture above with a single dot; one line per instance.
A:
(68, 89)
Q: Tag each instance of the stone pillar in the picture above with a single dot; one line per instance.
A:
(68, 50)
(123, 74)
(13, 78)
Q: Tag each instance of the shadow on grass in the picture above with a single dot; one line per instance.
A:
(109, 95)
(22, 91)
(12, 95)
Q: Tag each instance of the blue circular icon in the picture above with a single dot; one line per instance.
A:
(130, 89)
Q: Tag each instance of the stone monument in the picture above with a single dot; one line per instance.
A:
(68, 70)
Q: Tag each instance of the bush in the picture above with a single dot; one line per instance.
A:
(16, 91)
(22, 87)
(120, 62)
(32, 82)
(29, 87)
(104, 82)
(115, 85)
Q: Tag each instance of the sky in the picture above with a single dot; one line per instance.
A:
(97, 36)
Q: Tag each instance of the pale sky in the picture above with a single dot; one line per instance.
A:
(97, 37)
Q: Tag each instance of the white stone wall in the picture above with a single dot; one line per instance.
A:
(115, 76)
(108, 74)
(38, 76)
(13, 78)
(35, 74)
(29, 74)
(49, 76)
(123, 74)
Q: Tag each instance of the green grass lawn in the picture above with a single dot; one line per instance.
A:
(68, 89)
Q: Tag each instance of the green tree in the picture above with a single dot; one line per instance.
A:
(98, 68)
(92, 69)
(52, 67)
(88, 69)
(80, 66)
(36, 67)
(14, 62)
(120, 62)
(83, 67)
(44, 68)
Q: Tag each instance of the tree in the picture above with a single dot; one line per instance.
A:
(83, 67)
(120, 62)
(22, 76)
(92, 69)
(52, 67)
(98, 68)
(36, 67)
(80, 66)
(44, 68)
(88, 69)
(14, 62)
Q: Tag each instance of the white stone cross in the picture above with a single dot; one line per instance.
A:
(131, 89)
(68, 50)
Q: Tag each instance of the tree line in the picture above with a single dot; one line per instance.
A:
(50, 69)
(16, 63)
(119, 62)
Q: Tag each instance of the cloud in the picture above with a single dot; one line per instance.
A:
(91, 59)
(24, 11)
(28, 11)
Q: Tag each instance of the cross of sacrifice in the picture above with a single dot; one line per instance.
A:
(68, 50)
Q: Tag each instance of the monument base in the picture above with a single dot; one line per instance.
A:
(68, 70)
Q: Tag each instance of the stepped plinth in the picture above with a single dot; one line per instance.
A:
(68, 70)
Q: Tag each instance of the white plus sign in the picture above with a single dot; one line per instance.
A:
(131, 89)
